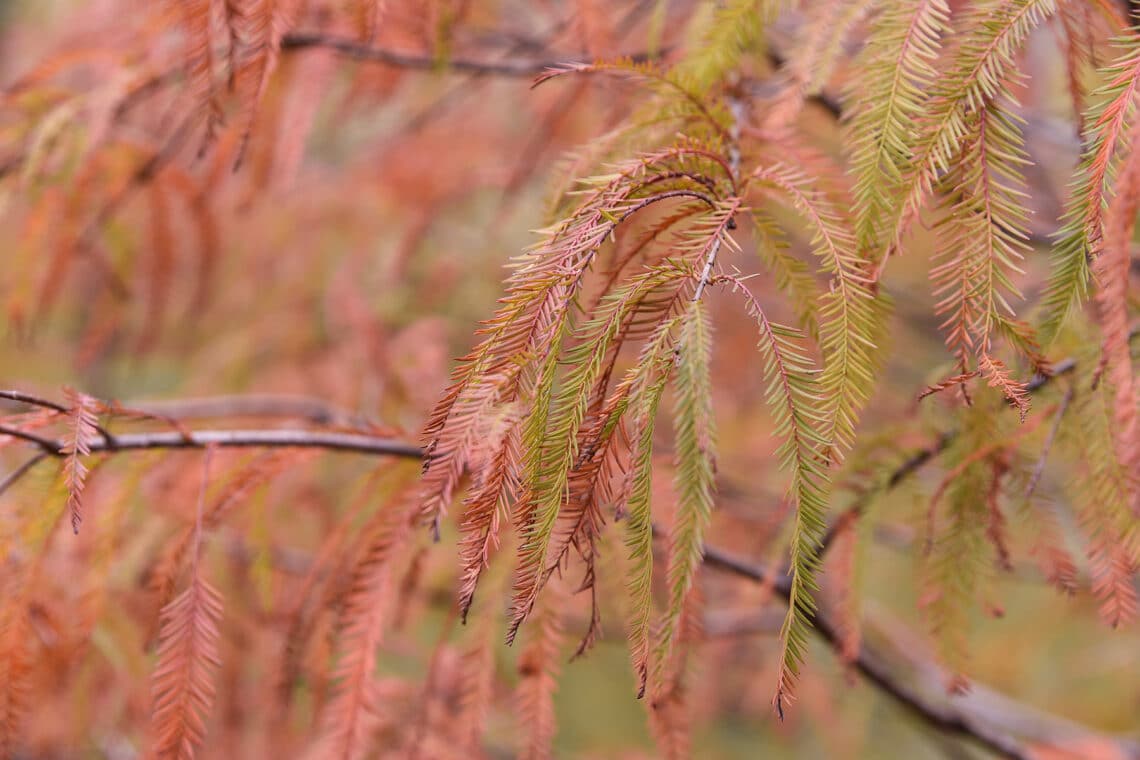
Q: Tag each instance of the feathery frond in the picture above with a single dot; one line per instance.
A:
(694, 482)
(478, 683)
(1102, 494)
(670, 713)
(255, 28)
(533, 322)
(821, 42)
(196, 20)
(187, 660)
(848, 317)
(729, 31)
(487, 506)
(1112, 269)
(15, 667)
(182, 682)
(1105, 126)
(791, 275)
(980, 72)
(81, 433)
(897, 69)
(634, 503)
(538, 667)
(794, 395)
(352, 715)
(557, 443)
(954, 566)
(1053, 556)
(982, 245)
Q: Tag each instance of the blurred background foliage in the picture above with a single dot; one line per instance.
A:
(348, 259)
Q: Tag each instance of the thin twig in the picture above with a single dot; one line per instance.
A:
(54, 448)
(664, 196)
(28, 398)
(21, 471)
(1039, 468)
(706, 272)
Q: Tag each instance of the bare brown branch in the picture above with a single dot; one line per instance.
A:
(986, 716)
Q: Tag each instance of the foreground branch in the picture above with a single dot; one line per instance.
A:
(984, 715)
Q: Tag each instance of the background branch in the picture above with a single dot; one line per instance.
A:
(510, 67)
(21, 471)
(314, 410)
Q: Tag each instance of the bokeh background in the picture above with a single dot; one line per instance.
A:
(349, 258)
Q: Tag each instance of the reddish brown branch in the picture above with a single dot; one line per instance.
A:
(994, 728)
(28, 398)
(55, 448)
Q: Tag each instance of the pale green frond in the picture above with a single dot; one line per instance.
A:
(1107, 482)
(694, 479)
(1100, 491)
(982, 240)
(636, 507)
(792, 276)
(541, 474)
(958, 557)
(849, 321)
(982, 70)
(720, 36)
(819, 45)
(888, 98)
(551, 432)
(794, 397)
